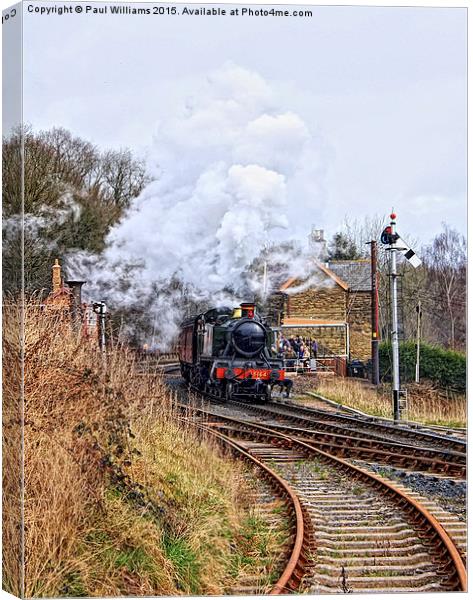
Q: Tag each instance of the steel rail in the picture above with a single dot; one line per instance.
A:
(330, 421)
(392, 453)
(421, 518)
(375, 447)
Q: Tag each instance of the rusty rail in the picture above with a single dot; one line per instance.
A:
(373, 424)
(392, 453)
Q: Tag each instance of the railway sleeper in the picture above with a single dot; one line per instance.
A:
(368, 551)
(370, 570)
(418, 560)
(386, 531)
(407, 543)
(431, 587)
(376, 581)
(367, 534)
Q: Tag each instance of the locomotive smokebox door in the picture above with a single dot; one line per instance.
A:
(249, 338)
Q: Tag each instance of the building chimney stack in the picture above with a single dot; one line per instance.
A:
(318, 244)
(56, 276)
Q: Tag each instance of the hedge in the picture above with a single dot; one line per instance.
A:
(445, 367)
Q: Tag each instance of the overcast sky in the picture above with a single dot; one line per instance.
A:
(382, 90)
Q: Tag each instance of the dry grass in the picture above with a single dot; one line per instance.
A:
(425, 403)
(119, 497)
(12, 492)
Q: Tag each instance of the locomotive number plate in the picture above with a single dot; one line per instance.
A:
(258, 373)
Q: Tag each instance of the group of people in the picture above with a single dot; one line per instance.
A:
(297, 347)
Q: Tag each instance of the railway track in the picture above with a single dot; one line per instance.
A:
(355, 425)
(390, 453)
(367, 437)
(353, 443)
(348, 443)
(368, 534)
(296, 555)
(364, 533)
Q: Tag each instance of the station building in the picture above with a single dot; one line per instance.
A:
(332, 306)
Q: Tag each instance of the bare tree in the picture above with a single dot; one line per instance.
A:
(72, 195)
(123, 177)
(445, 259)
(359, 232)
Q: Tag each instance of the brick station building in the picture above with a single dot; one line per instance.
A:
(335, 311)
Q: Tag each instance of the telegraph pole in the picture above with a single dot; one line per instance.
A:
(419, 316)
(395, 325)
(374, 314)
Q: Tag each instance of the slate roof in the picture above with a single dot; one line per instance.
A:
(352, 274)
(329, 272)
(356, 273)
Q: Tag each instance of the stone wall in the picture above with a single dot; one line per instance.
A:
(274, 309)
(327, 303)
(359, 319)
(331, 338)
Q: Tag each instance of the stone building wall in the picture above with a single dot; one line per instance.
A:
(359, 319)
(330, 303)
(331, 338)
(326, 303)
(274, 309)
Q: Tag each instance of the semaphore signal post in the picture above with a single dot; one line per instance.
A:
(391, 238)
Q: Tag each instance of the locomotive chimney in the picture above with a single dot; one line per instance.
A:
(248, 309)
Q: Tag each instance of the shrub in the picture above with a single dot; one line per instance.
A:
(447, 368)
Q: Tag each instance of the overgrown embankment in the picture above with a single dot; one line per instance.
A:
(121, 498)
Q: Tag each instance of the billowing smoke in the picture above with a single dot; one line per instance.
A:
(46, 218)
(230, 168)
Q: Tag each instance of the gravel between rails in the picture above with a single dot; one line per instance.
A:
(448, 493)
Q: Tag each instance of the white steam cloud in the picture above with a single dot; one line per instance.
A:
(46, 218)
(230, 166)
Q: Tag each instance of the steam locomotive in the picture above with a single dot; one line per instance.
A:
(226, 353)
